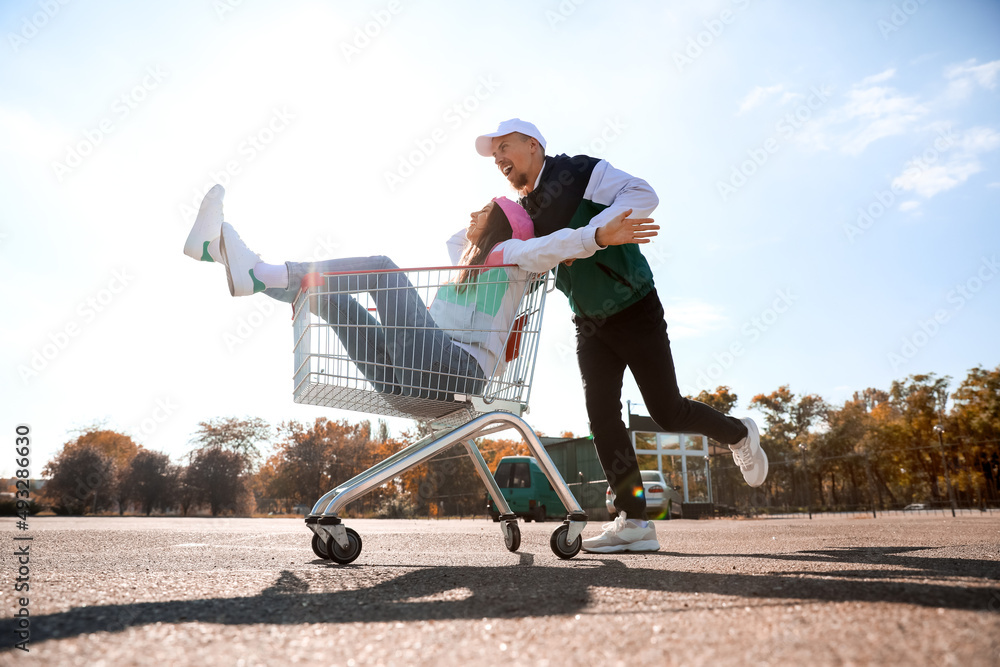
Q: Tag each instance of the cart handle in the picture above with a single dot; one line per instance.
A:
(316, 278)
(513, 349)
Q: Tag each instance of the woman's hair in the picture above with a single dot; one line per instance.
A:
(497, 230)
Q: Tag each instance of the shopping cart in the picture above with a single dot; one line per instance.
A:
(364, 343)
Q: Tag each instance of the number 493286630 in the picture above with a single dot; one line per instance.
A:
(22, 449)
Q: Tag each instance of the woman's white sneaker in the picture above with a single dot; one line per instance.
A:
(749, 456)
(623, 535)
(207, 226)
(240, 262)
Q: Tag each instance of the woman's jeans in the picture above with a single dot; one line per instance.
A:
(405, 353)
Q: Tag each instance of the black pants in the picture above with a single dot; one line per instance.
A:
(637, 338)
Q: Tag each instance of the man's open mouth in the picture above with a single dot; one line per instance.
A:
(506, 169)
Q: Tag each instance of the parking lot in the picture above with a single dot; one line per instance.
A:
(908, 589)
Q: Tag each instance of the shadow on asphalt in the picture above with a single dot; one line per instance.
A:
(919, 567)
(527, 590)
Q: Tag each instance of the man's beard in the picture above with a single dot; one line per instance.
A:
(519, 180)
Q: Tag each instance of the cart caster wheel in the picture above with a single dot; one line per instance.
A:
(319, 547)
(512, 536)
(344, 556)
(561, 546)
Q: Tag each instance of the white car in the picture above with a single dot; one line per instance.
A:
(662, 500)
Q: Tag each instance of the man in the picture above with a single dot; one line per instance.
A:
(619, 321)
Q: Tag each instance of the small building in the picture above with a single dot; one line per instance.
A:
(577, 461)
(683, 458)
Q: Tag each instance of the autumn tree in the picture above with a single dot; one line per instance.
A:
(449, 484)
(722, 399)
(919, 403)
(308, 461)
(973, 435)
(788, 420)
(847, 450)
(117, 449)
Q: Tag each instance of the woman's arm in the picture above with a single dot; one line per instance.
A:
(456, 246)
(618, 191)
(542, 254)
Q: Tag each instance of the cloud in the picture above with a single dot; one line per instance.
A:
(869, 111)
(911, 205)
(980, 140)
(757, 96)
(985, 75)
(869, 114)
(927, 178)
(930, 181)
(689, 318)
(878, 78)
(965, 78)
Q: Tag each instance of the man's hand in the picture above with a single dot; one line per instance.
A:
(622, 230)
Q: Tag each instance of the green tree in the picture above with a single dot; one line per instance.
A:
(149, 481)
(184, 492)
(242, 436)
(78, 480)
(217, 480)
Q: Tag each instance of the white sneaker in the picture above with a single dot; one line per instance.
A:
(749, 456)
(239, 261)
(207, 225)
(622, 535)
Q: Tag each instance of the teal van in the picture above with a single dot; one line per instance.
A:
(526, 489)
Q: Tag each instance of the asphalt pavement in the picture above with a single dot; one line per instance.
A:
(913, 590)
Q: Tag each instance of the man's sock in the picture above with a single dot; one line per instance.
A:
(272, 275)
(641, 524)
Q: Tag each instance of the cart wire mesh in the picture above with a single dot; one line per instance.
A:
(434, 344)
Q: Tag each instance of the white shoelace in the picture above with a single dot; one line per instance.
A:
(616, 526)
(743, 456)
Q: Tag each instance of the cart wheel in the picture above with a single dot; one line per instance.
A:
(512, 536)
(344, 556)
(319, 547)
(561, 547)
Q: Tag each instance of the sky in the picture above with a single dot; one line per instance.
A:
(827, 175)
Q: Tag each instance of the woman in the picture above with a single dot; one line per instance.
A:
(412, 350)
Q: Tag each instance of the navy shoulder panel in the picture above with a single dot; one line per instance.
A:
(554, 202)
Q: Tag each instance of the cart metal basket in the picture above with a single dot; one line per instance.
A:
(381, 342)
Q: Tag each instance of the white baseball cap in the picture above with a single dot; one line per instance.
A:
(484, 143)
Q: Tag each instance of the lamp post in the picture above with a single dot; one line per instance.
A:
(944, 459)
(805, 472)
